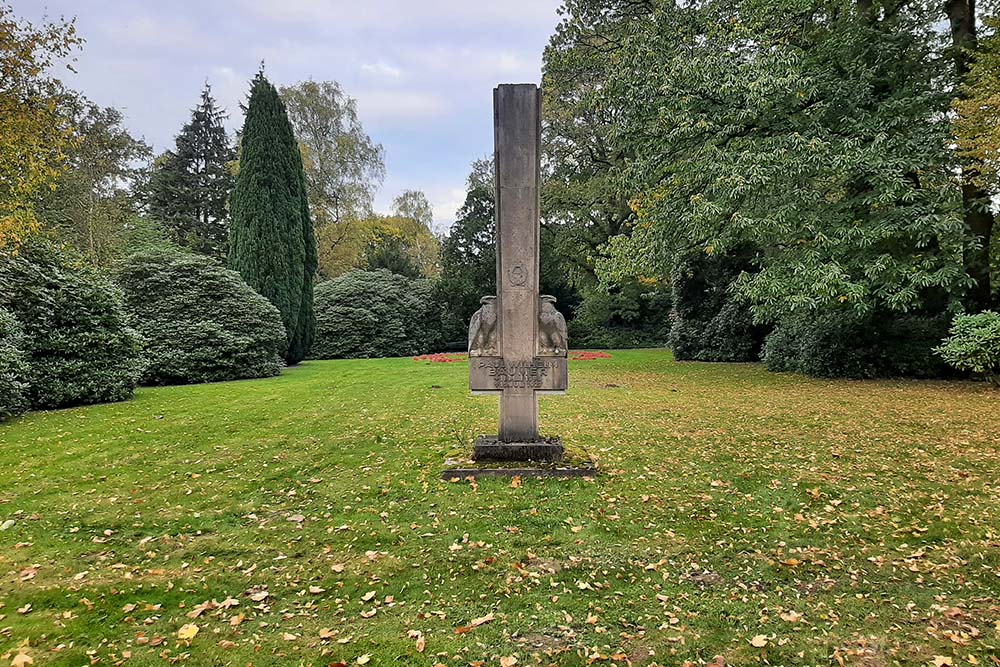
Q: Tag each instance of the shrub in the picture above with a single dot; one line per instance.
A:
(77, 343)
(973, 344)
(13, 368)
(628, 315)
(845, 344)
(201, 322)
(375, 314)
(708, 322)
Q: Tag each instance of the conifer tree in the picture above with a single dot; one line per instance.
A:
(190, 186)
(271, 240)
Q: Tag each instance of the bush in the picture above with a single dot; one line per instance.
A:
(845, 344)
(201, 322)
(78, 345)
(628, 315)
(13, 368)
(708, 322)
(973, 344)
(375, 314)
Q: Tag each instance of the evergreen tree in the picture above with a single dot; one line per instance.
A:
(191, 184)
(271, 240)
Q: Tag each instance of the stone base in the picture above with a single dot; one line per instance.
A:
(490, 448)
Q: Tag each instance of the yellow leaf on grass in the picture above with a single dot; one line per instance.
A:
(508, 661)
(21, 660)
(187, 631)
(759, 641)
(363, 659)
(942, 660)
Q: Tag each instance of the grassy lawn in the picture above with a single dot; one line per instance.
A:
(764, 518)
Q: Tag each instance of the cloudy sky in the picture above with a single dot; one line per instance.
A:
(421, 70)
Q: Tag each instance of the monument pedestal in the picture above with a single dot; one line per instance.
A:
(490, 449)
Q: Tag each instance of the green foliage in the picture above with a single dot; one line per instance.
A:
(375, 314)
(631, 315)
(853, 345)
(77, 342)
(94, 203)
(272, 243)
(13, 367)
(973, 344)
(709, 320)
(389, 251)
(413, 204)
(200, 321)
(468, 258)
(813, 131)
(190, 186)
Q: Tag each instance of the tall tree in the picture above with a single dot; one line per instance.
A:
(34, 133)
(271, 237)
(979, 218)
(190, 187)
(344, 167)
(753, 123)
(94, 203)
(413, 204)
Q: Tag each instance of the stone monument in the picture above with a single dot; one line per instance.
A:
(517, 339)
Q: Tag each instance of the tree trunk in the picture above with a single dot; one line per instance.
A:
(975, 201)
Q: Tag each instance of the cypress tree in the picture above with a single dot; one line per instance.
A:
(271, 240)
(191, 184)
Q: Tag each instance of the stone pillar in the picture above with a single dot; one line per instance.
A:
(517, 123)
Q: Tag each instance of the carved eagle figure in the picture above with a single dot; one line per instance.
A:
(552, 335)
(483, 329)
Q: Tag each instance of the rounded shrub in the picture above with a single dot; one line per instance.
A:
(200, 321)
(973, 344)
(846, 344)
(375, 314)
(78, 346)
(13, 367)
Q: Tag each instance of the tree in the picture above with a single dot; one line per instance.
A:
(978, 122)
(271, 239)
(747, 125)
(468, 257)
(413, 204)
(94, 203)
(34, 133)
(978, 217)
(190, 187)
(343, 166)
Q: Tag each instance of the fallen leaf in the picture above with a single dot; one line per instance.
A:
(326, 633)
(476, 622)
(759, 641)
(187, 631)
(21, 660)
(941, 661)
(289, 637)
(316, 590)
(514, 483)
(363, 659)
(791, 616)
(368, 596)
(508, 661)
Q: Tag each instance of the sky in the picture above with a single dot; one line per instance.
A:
(422, 71)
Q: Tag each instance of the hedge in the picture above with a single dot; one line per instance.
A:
(78, 346)
(375, 314)
(200, 321)
(13, 367)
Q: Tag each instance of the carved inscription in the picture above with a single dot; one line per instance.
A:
(517, 374)
(546, 374)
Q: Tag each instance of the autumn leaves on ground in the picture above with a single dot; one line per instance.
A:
(766, 519)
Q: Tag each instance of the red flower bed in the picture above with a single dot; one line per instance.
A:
(588, 356)
(441, 358)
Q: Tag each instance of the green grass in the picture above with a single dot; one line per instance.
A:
(853, 522)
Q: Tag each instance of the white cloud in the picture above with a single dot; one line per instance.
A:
(381, 69)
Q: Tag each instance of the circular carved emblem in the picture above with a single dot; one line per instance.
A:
(517, 274)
